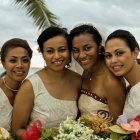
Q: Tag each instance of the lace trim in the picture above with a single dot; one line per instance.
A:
(93, 95)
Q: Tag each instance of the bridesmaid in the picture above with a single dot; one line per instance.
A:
(102, 92)
(15, 58)
(49, 95)
(121, 52)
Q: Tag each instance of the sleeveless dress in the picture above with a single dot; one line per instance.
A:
(91, 104)
(5, 111)
(49, 110)
(132, 103)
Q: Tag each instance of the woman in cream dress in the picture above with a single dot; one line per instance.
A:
(49, 95)
(122, 51)
(15, 58)
(102, 93)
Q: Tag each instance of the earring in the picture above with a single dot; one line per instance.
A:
(45, 65)
(135, 60)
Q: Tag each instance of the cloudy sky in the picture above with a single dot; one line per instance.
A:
(106, 15)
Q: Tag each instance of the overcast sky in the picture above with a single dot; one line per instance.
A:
(106, 15)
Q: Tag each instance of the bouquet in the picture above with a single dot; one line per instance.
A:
(126, 130)
(98, 124)
(69, 129)
(5, 135)
(35, 131)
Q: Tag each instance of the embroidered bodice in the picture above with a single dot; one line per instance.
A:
(90, 103)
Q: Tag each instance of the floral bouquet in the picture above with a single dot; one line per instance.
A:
(126, 130)
(98, 124)
(5, 135)
(68, 130)
(35, 131)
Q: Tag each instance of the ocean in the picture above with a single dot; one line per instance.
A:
(31, 71)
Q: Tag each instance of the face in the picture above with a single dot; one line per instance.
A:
(118, 57)
(85, 50)
(17, 63)
(56, 53)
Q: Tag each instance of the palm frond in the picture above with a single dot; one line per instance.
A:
(38, 10)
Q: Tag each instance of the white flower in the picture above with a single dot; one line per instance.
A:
(75, 130)
(4, 133)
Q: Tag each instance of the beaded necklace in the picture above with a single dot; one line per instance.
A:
(14, 90)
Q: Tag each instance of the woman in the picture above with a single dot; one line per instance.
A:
(15, 58)
(121, 52)
(102, 93)
(50, 94)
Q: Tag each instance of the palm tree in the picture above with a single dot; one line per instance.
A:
(39, 12)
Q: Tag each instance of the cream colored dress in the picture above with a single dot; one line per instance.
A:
(132, 103)
(49, 110)
(5, 111)
(90, 103)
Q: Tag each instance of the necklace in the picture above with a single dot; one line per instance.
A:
(14, 90)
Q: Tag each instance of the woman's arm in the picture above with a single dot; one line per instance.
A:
(22, 109)
(116, 93)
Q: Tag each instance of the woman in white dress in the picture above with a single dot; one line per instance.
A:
(121, 52)
(102, 93)
(50, 94)
(15, 58)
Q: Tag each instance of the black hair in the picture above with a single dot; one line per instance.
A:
(126, 36)
(14, 43)
(51, 32)
(87, 29)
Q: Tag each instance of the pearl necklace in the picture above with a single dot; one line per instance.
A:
(14, 90)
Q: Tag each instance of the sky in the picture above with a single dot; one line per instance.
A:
(106, 15)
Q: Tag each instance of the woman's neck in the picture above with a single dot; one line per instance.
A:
(11, 84)
(133, 76)
(55, 75)
(99, 69)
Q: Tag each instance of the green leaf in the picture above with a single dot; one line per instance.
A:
(117, 136)
(120, 130)
(48, 134)
(38, 10)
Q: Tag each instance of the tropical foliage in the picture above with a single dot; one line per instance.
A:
(38, 10)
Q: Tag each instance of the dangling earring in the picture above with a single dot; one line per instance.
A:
(135, 60)
(45, 65)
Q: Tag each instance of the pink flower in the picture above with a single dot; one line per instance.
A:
(33, 131)
(132, 126)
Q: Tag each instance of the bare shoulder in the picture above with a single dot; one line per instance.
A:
(26, 89)
(74, 74)
(115, 85)
(115, 81)
(75, 77)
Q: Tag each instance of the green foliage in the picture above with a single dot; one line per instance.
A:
(39, 12)
(48, 134)
(117, 136)
(86, 122)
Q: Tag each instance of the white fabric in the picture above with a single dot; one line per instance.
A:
(88, 105)
(132, 103)
(49, 110)
(5, 111)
